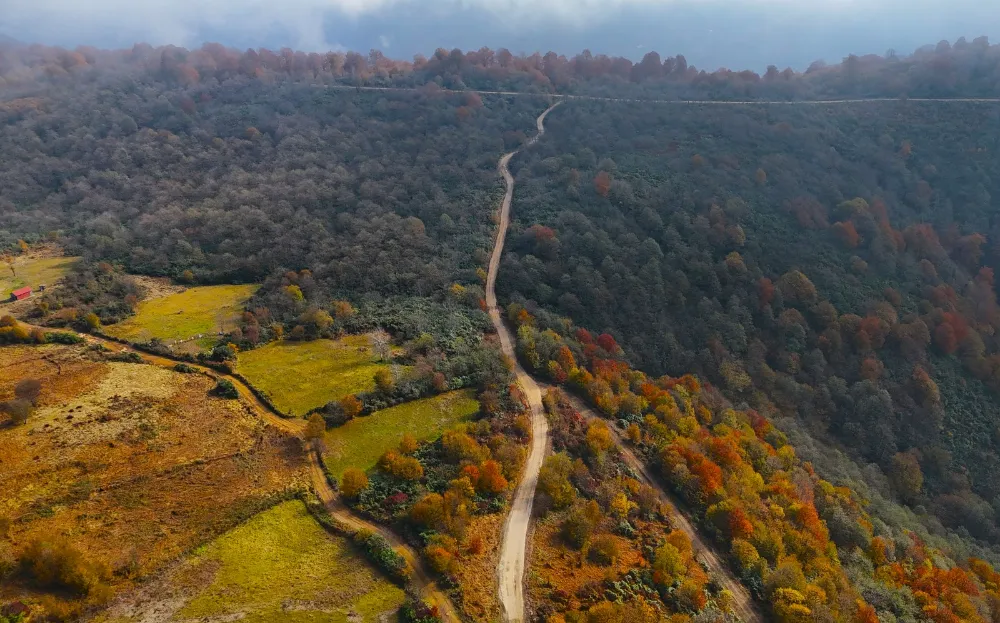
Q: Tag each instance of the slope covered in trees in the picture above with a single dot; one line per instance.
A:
(831, 263)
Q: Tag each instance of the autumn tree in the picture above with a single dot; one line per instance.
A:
(553, 480)
(353, 482)
(315, 428)
(602, 183)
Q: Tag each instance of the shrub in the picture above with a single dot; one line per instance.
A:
(353, 482)
(184, 368)
(17, 410)
(224, 388)
(581, 522)
(62, 337)
(604, 549)
(126, 357)
(57, 564)
(418, 612)
(406, 468)
(439, 558)
(380, 551)
(8, 562)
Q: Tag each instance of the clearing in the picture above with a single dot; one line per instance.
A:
(191, 318)
(279, 565)
(35, 269)
(138, 464)
(360, 442)
(301, 376)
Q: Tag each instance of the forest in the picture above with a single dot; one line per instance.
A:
(832, 266)
(793, 308)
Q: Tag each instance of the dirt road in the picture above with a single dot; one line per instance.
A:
(744, 604)
(421, 580)
(515, 533)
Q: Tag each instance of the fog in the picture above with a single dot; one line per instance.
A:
(736, 33)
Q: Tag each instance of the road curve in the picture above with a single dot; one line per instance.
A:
(510, 571)
(421, 580)
(743, 603)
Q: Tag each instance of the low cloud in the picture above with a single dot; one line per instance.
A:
(714, 28)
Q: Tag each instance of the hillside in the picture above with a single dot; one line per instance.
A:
(785, 311)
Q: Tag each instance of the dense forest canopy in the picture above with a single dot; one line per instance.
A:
(835, 263)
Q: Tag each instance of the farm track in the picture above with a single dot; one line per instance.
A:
(744, 604)
(513, 547)
(423, 582)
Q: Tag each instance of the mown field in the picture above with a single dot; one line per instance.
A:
(34, 271)
(179, 317)
(360, 442)
(300, 376)
(279, 566)
(134, 464)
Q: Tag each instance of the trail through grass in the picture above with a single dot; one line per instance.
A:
(360, 442)
(300, 376)
(203, 310)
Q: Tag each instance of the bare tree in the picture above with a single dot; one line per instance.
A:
(380, 341)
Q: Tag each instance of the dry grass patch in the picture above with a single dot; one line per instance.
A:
(477, 573)
(558, 572)
(178, 318)
(134, 463)
(301, 376)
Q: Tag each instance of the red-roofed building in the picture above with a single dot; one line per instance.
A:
(20, 294)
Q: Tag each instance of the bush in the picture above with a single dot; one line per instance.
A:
(62, 337)
(224, 388)
(353, 482)
(18, 411)
(8, 562)
(604, 549)
(380, 551)
(57, 564)
(126, 357)
(418, 612)
(184, 368)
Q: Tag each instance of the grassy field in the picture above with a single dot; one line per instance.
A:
(283, 557)
(300, 376)
(203, 310)
(33, 271)
(360, 442)
(137, 464)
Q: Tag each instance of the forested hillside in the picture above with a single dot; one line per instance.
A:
(835, 263)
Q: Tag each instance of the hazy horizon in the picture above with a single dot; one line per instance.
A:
(742, 34)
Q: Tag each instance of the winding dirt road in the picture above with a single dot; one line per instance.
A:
(515, 533)
(421, 581)
(513, 549)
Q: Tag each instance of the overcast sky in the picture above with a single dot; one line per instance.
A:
(711, 33)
